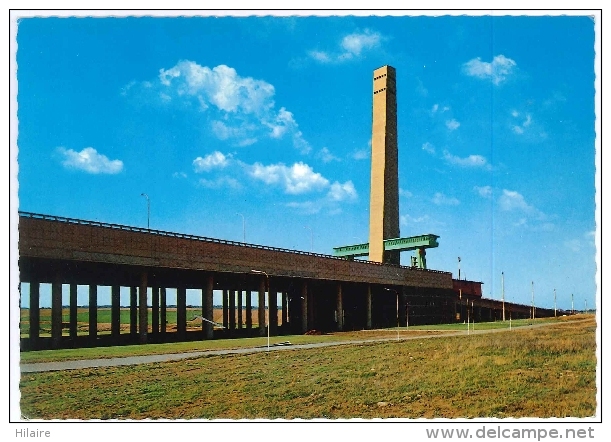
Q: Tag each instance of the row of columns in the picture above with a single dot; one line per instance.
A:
(139, 310)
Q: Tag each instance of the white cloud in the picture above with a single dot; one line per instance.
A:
(441, 200)
(428, 147)
(452, 124)
(497, 71)
(484, 192)
(89, 160)
(215, 160)
(405, 193)
(241, 109)
(434, 109)
(470, 161)
(511, 200)
(326, 156)
(521, 127)
(351, 46)
(179, 175)
(408, 219)
(341, 192)
(361, 154)
(514, 113)
(296, 179)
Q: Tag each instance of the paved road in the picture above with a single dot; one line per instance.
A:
(133, 360)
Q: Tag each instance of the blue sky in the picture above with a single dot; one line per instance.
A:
(270, 118)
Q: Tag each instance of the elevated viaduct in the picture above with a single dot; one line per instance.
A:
(317, 292)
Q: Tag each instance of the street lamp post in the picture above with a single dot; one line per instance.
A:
(148, 210)
(243, 227)
(261, 272)
(311, 238)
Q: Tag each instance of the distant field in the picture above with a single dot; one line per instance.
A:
(539, 372)
(104, 315)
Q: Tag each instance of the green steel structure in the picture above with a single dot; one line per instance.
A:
(419, 243)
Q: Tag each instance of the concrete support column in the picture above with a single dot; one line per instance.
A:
(249, 312)
(272, 310)
(143, 309)
(209, 308)
(181, 312)
(34, 313)
(56, 312)
(163, 309)
(73, 311)
(285, 312)
(340, 308)
(115, 311)
(93, 312)
(402, 307)
(304, 307)
(155, 310)
(239, 309)
(225, 309)
(368, 306)
(262, 331)
(133, 311)
(231, 311)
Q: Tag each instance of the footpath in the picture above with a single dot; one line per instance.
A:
(168, 357)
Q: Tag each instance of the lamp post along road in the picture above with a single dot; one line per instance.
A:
(261, 272)
(243, 227)
(148, 210)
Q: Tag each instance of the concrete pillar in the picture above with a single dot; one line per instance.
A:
(225, 309)
(402, 307)
(209, 308)
(56, 312)
(93, 312)
(368, 306)
(133, 311)
(262, 330)
(340, 308)
(163, 310)
(231, 311)
(115, 311)
(181, 312)
(249, 312)
(272, 310)
(285, 312)
(155, 310)
(304, 307)
(143, 309)
(73, 311)
(239, 309)
(34, 313)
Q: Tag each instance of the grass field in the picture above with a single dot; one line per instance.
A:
(104, 317)
(542, 372)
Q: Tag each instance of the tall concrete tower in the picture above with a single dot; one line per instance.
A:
(384, 203)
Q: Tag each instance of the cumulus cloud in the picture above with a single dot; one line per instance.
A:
(361, 154)
(428, 147)
(341, 192)
(405, 193)
(497, 71)
(215, 160)
(295, 179)
(241, 109)
(522, 126)
(484, 192)
(472, 161)
(511, 200)
(89, 160)
(326, 156)
(441, 200)
(452, 124)
(223, 181)
(351, 46)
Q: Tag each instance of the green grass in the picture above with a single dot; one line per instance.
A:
(180, 347)
(540, 372)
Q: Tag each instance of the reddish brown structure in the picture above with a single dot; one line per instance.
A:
(317, 291)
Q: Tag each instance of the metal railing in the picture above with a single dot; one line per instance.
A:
(63, 219)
